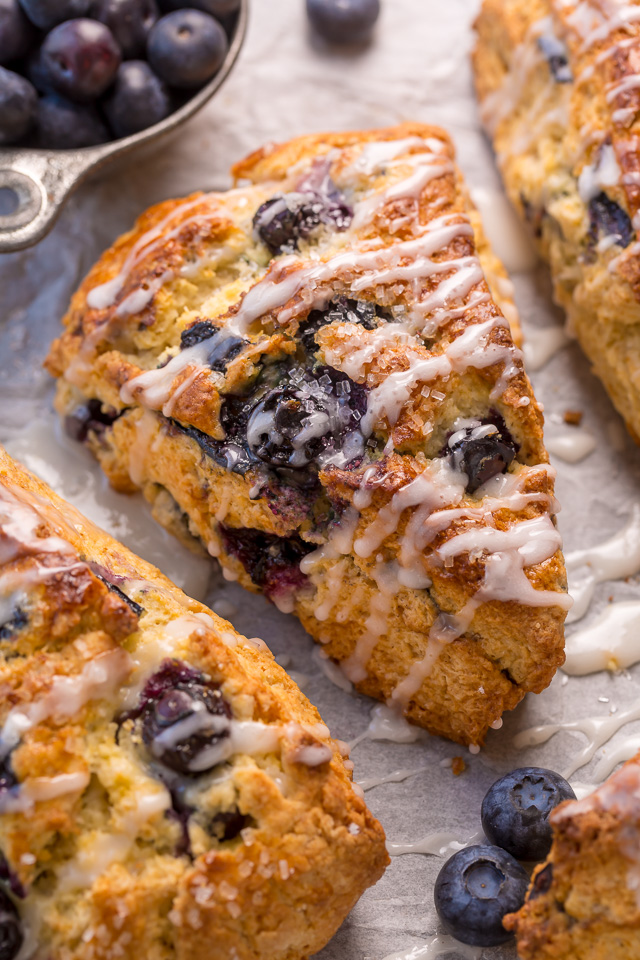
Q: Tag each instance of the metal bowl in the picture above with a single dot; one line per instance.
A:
(41, 180)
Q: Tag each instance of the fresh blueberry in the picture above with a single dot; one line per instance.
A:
(515, 811)
(284, 219)
(608, 219)
(45, 14)
(130, 22)
(81, 58)
(17, 34)
(343, 21)
(481, 450)
(220, 9)
(138, 99)
(474, 891)
(18, 105)
(89, 416)
(65, 125)
(183, 719)
(36, 73)
(11, 935)
(186, 48)
(557, 57)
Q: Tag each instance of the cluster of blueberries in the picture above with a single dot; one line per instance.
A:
(75, 73)
(80, 72)
(479, 885)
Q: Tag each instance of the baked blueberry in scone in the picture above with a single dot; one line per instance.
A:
(584, 902)
(559, 90)
(310, 376)
(166, 791)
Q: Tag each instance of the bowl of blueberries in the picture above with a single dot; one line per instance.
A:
(84, 81)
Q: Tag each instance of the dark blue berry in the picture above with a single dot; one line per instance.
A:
(287, 218)
(220, 9)
(343, 21)
(108, 581)
(16, 622)
(65, 125)
(80, 58)
(45, 14)
(17, 34)
(227, 825)
(474, 891)
(342, 310)
(130, 22)
(273, 563)
(18, 105)
(515, 811)
(11, 877)
(90, 416)
(186, 48)
(11, 935)
(608, 219)
(138, 99)
(174, 694)
(557, 57)
(223, 347)
(481, 451)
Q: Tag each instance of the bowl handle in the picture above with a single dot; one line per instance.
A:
(33, 188)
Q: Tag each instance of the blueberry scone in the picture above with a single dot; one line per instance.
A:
(559, 90)
(166, 791)
(584, 902)
(311, 377)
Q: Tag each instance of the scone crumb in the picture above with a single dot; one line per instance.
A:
(458, 766)
(234, 909)
(573, 417)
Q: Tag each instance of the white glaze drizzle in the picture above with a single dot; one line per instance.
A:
(67, 695)
(437, 946)
(388, 724)
(611, 642)
(615, 559)
(573, 446)
(597, 730)
(438, 844)
(397, 776)
(541, 345)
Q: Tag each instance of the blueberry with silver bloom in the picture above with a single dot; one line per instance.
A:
(11, 933)
(45, 14)
(475, 889)
(186, 48)
(81, 58)
(65, 125)
(18, 106)
(17, 34)
(130, 22)
(343, 21)
(220, 9)
(138, 99)
(515, 811)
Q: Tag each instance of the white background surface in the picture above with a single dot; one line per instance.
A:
(286, 84)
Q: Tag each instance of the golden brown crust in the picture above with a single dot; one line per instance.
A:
(569, 154)
(427, 355)
(102, 878)
(583, 902)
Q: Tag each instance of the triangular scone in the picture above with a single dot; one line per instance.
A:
(166, 791)
(310, 376)
(584, 902)
(559, 94)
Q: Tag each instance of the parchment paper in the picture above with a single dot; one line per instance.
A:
(286, 84)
